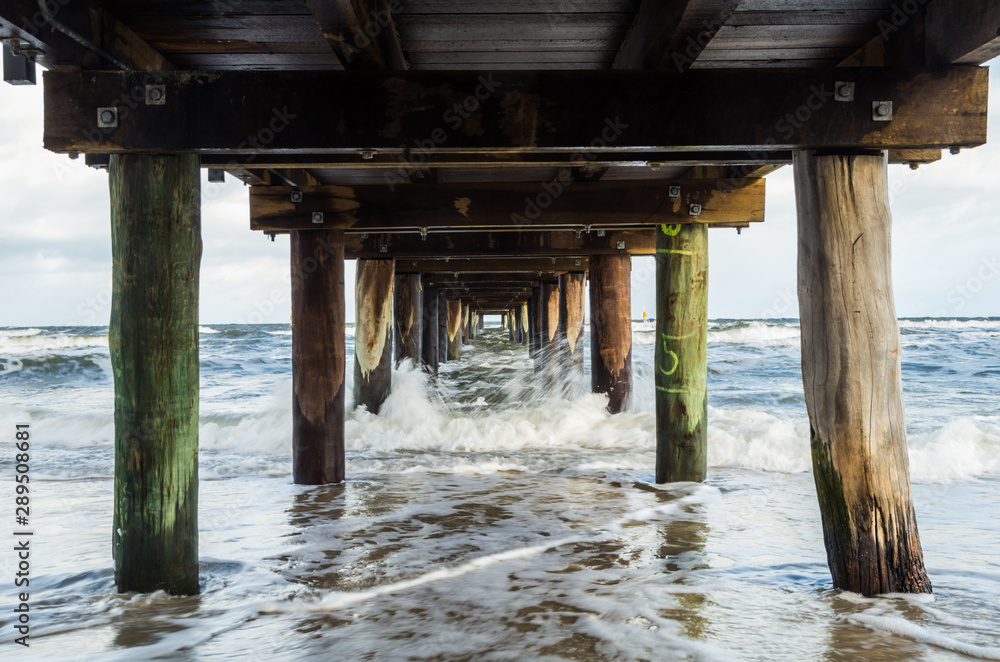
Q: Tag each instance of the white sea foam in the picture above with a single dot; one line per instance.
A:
(33, 344)
(756, 333)
(206, 329)
(957, 324)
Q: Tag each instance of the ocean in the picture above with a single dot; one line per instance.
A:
(486, 518)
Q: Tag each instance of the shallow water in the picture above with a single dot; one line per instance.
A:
(485, 518)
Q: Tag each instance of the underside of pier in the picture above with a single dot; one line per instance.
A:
(495, 157)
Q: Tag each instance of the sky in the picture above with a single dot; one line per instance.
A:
(55, 242)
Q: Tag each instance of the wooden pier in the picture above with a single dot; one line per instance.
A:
(505, 158)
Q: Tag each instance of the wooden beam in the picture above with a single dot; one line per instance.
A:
(490, 244)
(933, 34)
(153, 338)
(373, 333)
(407, 317)
(537, 266)
(303, 112)
(429, 330)
(671, 35)
(851, 372)
(77, 35)
(572, 309)
(611, 329)
(361, 32)
(510, 206)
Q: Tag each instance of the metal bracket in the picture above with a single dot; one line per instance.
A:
(882, 111)
(107, 118)
(156, 95)
(674, 191)
(600, 233)
(296, 196)
(695, 210)
(317, 218)
(843, 91)
(383, 248)
(620, 245)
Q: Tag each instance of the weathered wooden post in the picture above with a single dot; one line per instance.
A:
(429, 340)
(851, 374)
(550, 333)
(681, 367)
(318, 356)
(454, 330)
(153, 339)
(611, 328)
(572, 309)
(373, 333)
(480, 322)
(510, 325)
(466, 324)
(442, 328)
(407, 313)
(524, 322)
(535, 334)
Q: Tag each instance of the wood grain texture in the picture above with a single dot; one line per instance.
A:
(851, 374)
(442, 328)
(611, 328)
(310, 113)
(318, 356)
(572, 309)
(153, 340)
(429, 331)
(407, 312)
(454, 309)
(680, 358)
(373, 333)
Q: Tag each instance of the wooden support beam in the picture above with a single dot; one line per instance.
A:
(373, 333)
(318, 356)
(681, 362)
(153, 339)
(611, 328)
(466, 320)
(518, 206)
(361, 32)
(933, 34)
(408, 314)
(442, 328)
(549, 354)
(572, 309)
(851, 371)
(429, 331)
(671, 35)
(526, 243)
(454, 330)
(311, 112)
(535, 330)
(531, 266)
(77, 35)
(523, 323)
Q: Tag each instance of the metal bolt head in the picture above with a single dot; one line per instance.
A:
(296, 196)
(695, 210)
(317, 217)
(620, 245)
(367, 154)
(882, 111)
(843, 91)
(383, 248)
(156, 95)
(107, 118)
(674, 191)
(600, 233)
(577, 263)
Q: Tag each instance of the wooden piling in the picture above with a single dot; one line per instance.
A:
(318, 356)
(572, 309)
(442, 328)
(454, 330)
(851, 374)
(611, 328)
(466, 324)
(524, 324)
(550, 333)
(429, 335)
(407, 315)
(373, 333)
(681, 368)
(153, 340)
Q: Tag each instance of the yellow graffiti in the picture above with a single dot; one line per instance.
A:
(674, 251)
(671, 390)
(676, 363)
(671, 230)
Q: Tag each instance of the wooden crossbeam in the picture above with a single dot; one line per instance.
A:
(78, 34)
(671, 35)
(312, 112)
(529, 243)
(540, 267)
(348, 26)
(560, 202)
